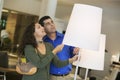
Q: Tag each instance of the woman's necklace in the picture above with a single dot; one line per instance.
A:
(39, 42)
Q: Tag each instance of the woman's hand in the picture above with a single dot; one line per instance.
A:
(58, 48)
(74, 58)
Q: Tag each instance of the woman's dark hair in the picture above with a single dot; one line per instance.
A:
(41, 21)
(27, 38)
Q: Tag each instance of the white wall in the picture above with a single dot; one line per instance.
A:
(26, 6)
(111, 27)
(60, 25)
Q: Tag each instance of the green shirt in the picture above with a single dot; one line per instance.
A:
(42, 62)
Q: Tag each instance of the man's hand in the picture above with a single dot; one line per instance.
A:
(76, 50)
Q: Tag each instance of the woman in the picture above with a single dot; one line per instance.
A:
(32, 41)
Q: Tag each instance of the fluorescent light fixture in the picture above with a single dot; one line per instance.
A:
(4, 10)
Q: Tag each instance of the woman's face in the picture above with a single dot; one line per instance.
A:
(39, 31)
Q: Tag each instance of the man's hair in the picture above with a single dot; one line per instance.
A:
(42, 19)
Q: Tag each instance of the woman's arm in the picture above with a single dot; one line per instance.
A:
(61, 63)
(33, 57)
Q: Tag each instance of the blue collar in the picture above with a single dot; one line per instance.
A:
(57, 35)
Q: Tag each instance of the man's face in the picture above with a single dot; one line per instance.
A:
(49, 26)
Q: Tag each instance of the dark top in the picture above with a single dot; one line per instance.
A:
(42, 62)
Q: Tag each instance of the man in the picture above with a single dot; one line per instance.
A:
(56, 38)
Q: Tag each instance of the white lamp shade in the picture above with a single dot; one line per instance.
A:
(93, 59)
(84, 27)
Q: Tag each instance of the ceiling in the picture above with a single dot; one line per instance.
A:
(67, 5)
(77, 1)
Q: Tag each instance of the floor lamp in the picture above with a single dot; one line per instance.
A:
(84, 28)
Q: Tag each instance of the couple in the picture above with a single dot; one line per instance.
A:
(54, 58)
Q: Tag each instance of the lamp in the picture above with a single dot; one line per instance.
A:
(84, 31)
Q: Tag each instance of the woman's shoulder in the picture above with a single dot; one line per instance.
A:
(29, 46)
